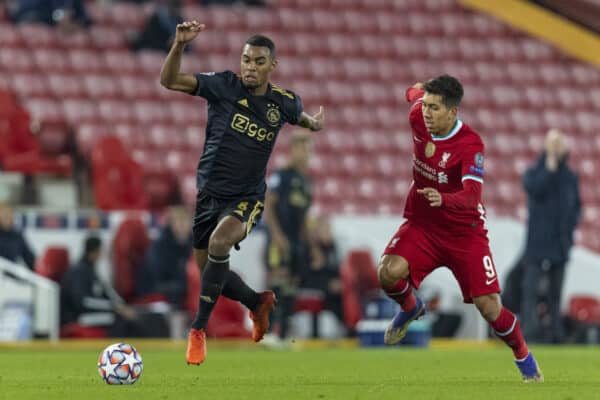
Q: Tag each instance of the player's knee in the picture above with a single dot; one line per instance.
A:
(391, 269)
(489, 306)
(219, 245)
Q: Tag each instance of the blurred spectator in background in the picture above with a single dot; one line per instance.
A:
(67, 15)
(159, 29)
(512, 289)
(322, 273)
(88, 301)
(164, 270)
(13, 245)
(554, 209)
(287, 202)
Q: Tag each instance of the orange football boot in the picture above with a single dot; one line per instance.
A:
(260, 316)
(196, 350)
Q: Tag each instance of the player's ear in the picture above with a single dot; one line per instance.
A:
(453, 113)
(273, 63)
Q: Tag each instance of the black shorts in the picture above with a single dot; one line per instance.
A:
(210, 210)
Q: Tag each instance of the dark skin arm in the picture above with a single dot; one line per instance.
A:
(170, 76)
(314, 122)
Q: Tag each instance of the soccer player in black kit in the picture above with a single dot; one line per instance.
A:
(288, 200)
(245, 114)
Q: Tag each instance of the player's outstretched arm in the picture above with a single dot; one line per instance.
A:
(315, 122)
(170, 77)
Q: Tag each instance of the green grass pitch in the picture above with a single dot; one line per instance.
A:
(487, 372)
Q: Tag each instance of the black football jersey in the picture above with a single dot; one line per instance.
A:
(294, 193)
(240, 134)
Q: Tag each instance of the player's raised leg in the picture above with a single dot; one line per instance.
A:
(507, 328)
(259, 304)
(228, 232)
(393, 276)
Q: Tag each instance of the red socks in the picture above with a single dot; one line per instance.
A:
(507, 328)
(401, 292)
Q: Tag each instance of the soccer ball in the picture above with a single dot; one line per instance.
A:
(120, 364)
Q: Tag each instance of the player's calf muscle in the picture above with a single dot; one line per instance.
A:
(489, 306)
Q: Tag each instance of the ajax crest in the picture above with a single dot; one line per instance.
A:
(273, 116)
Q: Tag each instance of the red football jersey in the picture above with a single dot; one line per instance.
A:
(443, 163)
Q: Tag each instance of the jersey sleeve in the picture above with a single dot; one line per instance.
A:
(472, 179)
(213, 86)
(415, 115)
(295, 108)
(467, 199)
(472, 163)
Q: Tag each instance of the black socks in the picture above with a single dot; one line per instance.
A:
(236, 289)
(214, 277)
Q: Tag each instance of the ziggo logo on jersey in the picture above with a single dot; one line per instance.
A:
(242, 124)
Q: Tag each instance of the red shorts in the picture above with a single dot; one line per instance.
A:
(467, 255)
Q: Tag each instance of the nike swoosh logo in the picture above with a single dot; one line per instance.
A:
(490, 281)
(417, 139)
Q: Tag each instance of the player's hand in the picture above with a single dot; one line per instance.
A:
(419, 85)
(128, 313)
(187, 31)
(431, 194)
(318, 120)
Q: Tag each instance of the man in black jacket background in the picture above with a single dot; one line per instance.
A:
(554, 209)
(88, 301)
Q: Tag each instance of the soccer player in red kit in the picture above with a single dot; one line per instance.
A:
(445, 221)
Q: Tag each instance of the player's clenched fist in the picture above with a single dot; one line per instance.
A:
(188, 30)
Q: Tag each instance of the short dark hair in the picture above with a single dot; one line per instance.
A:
(262, 41)
(446, 86)
(92, 244)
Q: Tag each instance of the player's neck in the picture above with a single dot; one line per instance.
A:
(299, 166)
(448, 129)
(260, 90)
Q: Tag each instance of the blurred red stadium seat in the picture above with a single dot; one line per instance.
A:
(102, 86)
(39, 35)
(53, 263)
(50, 60)
(117, 178)
(15, 60)
(128, 249)
(104, 37)
(359, 282)
(585, 309)
(65, 86)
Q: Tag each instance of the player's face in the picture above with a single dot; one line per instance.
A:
(439, 118)
(301, 152)
(256, 66)
(6, 217)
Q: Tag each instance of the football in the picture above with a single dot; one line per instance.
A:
(120, 364)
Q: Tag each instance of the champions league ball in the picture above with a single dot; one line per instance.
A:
(120, 364)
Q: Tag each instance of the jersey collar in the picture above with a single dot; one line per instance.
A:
(457, 126)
